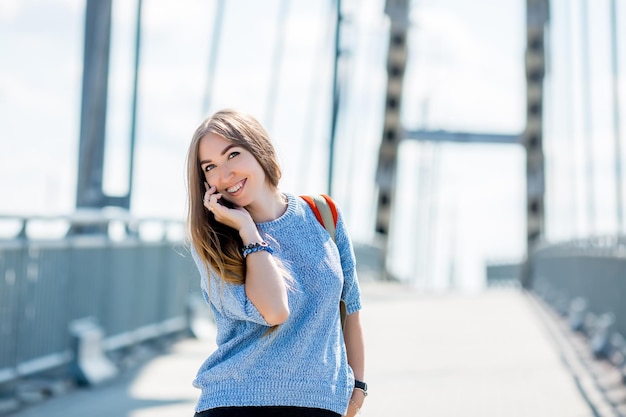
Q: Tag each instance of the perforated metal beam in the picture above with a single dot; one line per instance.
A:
(537, 18)
(462, 137)
(397, 10)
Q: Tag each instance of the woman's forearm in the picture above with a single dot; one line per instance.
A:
(355, 345)
(265, 285)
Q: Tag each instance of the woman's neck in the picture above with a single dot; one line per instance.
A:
(269, 208)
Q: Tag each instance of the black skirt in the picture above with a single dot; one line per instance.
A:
(266, 412)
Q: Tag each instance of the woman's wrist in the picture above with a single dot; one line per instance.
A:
(256, 247)
(250, 234)
(359, 395)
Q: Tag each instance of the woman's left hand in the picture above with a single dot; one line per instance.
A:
(356, 402)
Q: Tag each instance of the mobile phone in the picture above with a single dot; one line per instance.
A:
(225, 203)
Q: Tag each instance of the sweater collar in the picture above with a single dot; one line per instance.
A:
(285, 217)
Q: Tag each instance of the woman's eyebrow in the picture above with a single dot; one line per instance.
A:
(206, 161)
(232, 145)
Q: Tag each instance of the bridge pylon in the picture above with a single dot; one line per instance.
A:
(537, 17)
(398, 11)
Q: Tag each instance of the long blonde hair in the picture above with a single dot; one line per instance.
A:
(217, 244)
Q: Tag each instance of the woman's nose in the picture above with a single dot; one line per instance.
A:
(224, 174)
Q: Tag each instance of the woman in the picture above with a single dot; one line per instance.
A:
(273, 278)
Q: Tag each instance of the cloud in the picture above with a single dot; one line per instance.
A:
(448, 37)
(10, 9)
(467, 82)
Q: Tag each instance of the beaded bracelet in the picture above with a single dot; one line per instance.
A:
(255, 247)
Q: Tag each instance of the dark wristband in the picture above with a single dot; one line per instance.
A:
(360, 385)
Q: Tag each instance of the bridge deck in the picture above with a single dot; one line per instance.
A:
(491, 354)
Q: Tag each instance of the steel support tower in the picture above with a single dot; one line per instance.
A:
(398, 11)
(537, 18)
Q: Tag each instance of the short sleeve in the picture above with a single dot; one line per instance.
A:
(227, 299)
(351, 293)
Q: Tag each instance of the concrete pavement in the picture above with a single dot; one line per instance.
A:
(492, 354)
(482, 355)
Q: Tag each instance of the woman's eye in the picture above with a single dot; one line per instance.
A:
(209, 167)
(233, 154)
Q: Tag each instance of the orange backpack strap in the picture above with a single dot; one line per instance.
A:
(325, 211)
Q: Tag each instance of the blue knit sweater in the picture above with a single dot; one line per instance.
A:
(303, 363)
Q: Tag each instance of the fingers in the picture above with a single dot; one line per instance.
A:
(210, 196)
(209, 189)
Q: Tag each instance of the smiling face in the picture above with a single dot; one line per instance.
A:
(237, 167)
(232, 169)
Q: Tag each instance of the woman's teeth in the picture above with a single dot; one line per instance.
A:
(234, 188)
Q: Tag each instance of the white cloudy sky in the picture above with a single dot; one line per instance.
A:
(465, 72)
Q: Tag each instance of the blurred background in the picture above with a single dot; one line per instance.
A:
(461, 139)
(464, 72)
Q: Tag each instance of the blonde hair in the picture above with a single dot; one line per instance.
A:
(217, 244)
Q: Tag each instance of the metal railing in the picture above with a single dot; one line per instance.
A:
(503, 274)
(585, 281)
(135, 280)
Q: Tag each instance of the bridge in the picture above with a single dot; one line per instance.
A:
(476, 154)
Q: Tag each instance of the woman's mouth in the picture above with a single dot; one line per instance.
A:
(235, 188)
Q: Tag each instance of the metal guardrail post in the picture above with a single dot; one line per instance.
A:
(90, 365)
(11, 270)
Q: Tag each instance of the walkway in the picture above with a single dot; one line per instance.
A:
(492, 354)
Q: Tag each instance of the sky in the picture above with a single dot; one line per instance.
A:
(458, 206)
(581, 148)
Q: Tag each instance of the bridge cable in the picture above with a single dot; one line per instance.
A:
(308, 134)
(213, 54)
(274, 84)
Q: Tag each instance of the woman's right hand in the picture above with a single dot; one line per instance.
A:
(237, 217)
